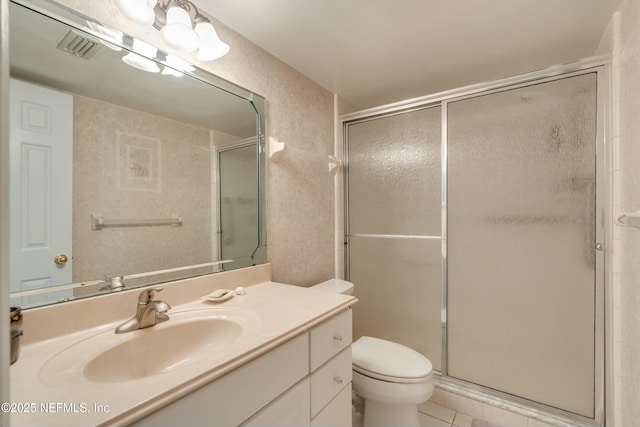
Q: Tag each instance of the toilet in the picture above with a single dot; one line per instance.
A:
(390, 380)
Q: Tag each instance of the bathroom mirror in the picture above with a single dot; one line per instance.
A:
(115, 162)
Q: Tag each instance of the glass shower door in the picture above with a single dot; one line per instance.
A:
(394, 228)
(238, 204)
(521, 220)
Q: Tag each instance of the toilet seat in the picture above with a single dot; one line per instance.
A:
(388, 361)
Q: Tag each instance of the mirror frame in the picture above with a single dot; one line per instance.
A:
(79, 22)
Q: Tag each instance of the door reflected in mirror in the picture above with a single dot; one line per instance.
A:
(120, 172)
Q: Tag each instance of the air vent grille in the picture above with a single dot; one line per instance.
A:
(78, 45)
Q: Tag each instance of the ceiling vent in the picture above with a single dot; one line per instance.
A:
(79, 45)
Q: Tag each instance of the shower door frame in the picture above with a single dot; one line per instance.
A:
(602, 345)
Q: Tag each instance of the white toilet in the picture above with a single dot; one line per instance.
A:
(389, 379)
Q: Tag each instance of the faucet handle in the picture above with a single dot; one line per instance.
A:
(147, 295)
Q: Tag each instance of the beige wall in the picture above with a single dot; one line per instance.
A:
(177, 182)
(300, 197)
(627, 260)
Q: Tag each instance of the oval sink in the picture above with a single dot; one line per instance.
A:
(188, 337)
(155, 350)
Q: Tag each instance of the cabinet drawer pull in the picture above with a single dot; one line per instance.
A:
(337, 379)
(337, 338)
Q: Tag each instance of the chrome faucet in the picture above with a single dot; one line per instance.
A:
(148, 312)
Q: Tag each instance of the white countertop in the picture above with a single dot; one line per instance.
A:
(282, 312)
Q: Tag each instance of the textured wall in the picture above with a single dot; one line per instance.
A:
(629, 196)
(300, 194)
(177, 181)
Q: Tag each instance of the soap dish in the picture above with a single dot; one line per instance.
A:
(219, 295)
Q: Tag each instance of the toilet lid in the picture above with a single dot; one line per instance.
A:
(389, 361)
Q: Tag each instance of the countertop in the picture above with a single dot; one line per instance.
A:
(281, 311)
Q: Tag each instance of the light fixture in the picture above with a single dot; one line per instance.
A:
(139, 11)
(211, 47)
(176, 20)
(178, 31)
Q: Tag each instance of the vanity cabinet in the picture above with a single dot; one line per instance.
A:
(304, 382)
(291, 409)
(330, 367)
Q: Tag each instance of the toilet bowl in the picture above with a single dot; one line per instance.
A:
(392, 380)
(389, 379)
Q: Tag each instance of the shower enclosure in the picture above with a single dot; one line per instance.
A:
(238, 205)
(473, 226)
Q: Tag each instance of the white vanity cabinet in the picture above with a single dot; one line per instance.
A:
(330, 371)
(304, 382)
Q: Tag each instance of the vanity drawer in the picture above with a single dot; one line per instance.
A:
(329, 338)
(289, 410)
(329, 380)
(337, 413)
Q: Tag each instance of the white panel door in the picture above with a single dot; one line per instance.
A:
(41, 152)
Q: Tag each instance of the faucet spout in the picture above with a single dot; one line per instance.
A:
(148, 312)
(153, 313)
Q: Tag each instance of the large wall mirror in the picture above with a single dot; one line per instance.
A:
(128, 167)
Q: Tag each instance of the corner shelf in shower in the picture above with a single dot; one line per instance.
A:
(276, 148)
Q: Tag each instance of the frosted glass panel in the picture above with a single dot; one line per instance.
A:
(399, 286)
(238, 204)
(521, 237)
(394, 177)
(394, 174)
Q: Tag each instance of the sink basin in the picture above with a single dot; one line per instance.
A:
(188, 337)
(155, 350)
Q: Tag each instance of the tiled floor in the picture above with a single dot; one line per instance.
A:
(442, 410)
(433, 415)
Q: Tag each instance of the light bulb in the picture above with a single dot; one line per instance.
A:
(139, 11)
(178, 32)
(211, 47)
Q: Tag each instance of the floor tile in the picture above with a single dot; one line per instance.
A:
(462, 420)
(429, 421)
(437, 411)
(499, 417)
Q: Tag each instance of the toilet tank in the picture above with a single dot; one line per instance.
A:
(337, 286)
